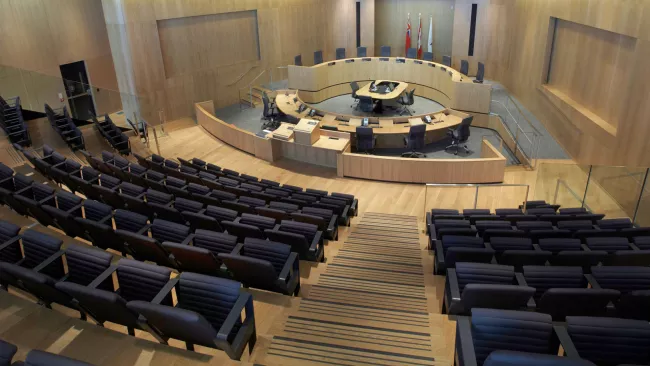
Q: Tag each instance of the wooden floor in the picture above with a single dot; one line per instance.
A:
(361, 303)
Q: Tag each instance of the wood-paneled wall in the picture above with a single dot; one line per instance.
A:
(39, 35)
(286, 28)
(527, 24)
(390, 25)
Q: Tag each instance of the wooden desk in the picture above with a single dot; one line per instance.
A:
(399, 89)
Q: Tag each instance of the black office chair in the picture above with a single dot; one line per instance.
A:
(362, 51)
(318, 57)
(414, 141)
(407, 100)
(385, 51)
(460, 135)
(427, 56)
(365, 139)
(270, 113)
(464, 67)
(480, 73)
(412, 53)
(366, 103)
(340, 53)
(297, 60)
(355, 88)
(446, 60)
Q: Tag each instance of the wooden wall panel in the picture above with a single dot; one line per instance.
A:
(368, 25)
(390, 25)
(203, 42)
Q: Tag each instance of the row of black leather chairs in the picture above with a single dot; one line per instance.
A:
(113, 134)
(13, 123)
(622, 291)
(207, 312)
(305, 238)
(66, 128)
(168, 243)
(35, 357)
(493, 337)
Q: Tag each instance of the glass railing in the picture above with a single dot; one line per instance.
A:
(612, 190)
(465, 196)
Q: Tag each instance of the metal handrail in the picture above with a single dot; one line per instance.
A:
(562, 182)
(530, 159)
(477, 186)
(250, 89)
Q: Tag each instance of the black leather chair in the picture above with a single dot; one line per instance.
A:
(340, 53)
(472, 285)
(634, 285)
(412, 53)
(464, 67)
(490, 330)
(325, 219)
(480, 74)
(9, 242)
(406, 100)
(355, 88)
(318, 57)
(269, 113)
(266, 265)
(304, 239)
(427, 56)
(362, 51)
(415, 141)
(460, 135)
(208, 313)
(511, 358)
(297, 60)
(366, 104)
(446, 60)
(458, 248)
(7, 352)
(365, 139)
(385, 51)
(518, 252)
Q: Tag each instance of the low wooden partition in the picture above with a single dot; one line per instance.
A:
(230, 134)
(490, 168)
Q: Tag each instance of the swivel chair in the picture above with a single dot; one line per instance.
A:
(427, 56)
(446, 60)
(297, 60)
(464, 67)
(480, 73)
(414, 141)
(340, 53)
(270, 113)
(460, 135)
(385, 51)
(366, 103)
(412, 53)
(365, 139)
(362, 51)
(318, 57)
(355, 88)
(406, 100)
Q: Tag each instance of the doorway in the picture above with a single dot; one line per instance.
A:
(78, 90)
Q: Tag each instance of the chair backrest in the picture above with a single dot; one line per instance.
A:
(609, 245)
(543, 278)
(510, 358)
(480, 74)
(163, 231)
(511, 330)
(297, 60)
(129, 221)
(461, 241)
(194, 259)
(183, 204)
(38, 247)
(340, 53)
(364, 138)
(38, 284)
(318, 57)
(427, 56)
(365, 103)
(214, 242)
(622, 278)
(158, 197)
(242, 231)
(362, 52)
(96, 211)
(354, 86)
(446, 60)
(307, 230)
(464, 67)
(500, 244)
(556, 245)
(85, 263)
(610, 341)
(141, 281)
(41, 358)
(276, 253)
(385, 51)
(464, 128)
(12, 253)
(261, 222)
(221, 213)
(7, 350)
(416, 136)
(482, 273)
(411, 53)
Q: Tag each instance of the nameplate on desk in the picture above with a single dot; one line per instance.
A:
(349, 61)
(400, 60)
(451, 73)
(432, 65)
(331, 64)
(383, 59)
(418, 62)
(366, 59)
(376, 127)
(443, 68)
(333, 138)
(295, 100)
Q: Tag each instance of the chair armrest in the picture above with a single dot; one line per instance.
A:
(188, 240)
(428, 219)
(566, 342)
(289, 267)
(439, 252)
(245, 301)
(144, 229)
(165, 291)
(107, 218)
(537, 248)
(9, 242)
(141, 196)
(633, 246)
(237, 249)
(92, 181)
(47, 200)
(103, 277)
(521, 281)
(454, 289)
(3, 181)
(464, 342)
(75, 208)
(318, 239)
(58, 165)
(592, 281)
(49, 261)
(585, 247)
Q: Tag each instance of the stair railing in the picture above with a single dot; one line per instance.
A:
(250, 90)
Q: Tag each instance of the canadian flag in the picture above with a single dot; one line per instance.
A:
(420, 37)
(408, 35)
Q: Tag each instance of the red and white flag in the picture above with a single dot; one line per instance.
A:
(408, 35)
(420, 37)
